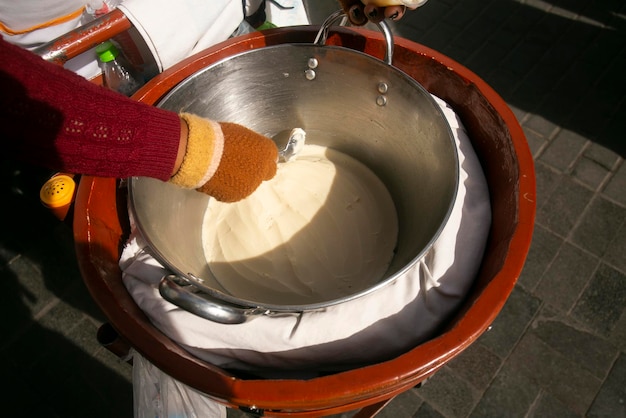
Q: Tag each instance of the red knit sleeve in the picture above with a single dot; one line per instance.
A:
(57, 119)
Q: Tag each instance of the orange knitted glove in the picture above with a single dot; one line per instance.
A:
(225, 160)
(361, 11)
(354, 10)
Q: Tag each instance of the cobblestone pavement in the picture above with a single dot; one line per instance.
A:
(557, 349)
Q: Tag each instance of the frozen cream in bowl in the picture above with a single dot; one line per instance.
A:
(323, 228)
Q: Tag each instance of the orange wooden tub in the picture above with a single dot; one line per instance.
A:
(101, 227)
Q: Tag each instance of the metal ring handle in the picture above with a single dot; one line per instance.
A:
(177, 290)
(322, 34)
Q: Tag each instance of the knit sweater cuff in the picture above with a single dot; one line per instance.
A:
(205, 145)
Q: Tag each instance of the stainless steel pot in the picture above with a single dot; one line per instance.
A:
(345, 100)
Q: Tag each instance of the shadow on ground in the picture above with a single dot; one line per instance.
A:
(53, 364)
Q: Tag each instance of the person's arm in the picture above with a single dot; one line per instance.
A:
(54, 118)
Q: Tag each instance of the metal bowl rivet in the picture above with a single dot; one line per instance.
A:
(309, 74)
(313, 63)
(383, 88)
(381, 100)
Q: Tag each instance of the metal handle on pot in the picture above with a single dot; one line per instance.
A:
(322, 34)
(178, 291)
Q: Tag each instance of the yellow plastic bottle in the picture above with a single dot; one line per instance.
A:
(57, 194)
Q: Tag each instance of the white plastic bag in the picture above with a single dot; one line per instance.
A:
(157, 395)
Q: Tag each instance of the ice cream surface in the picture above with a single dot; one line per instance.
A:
(323, 228)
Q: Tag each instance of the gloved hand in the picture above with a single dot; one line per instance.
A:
(361, 11)
(225, 160)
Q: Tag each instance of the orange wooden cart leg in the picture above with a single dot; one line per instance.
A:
(372, 410)
(108, 337)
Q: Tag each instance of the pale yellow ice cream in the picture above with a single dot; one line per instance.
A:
(325, 227)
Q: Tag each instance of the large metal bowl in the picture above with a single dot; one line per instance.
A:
(344, 99)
